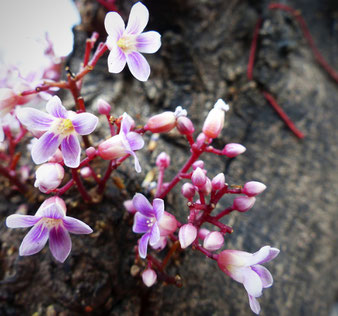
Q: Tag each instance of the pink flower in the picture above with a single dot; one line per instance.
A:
(60, 127)
(50, 221)
(149, 277)
(126, 43)
(245, 268)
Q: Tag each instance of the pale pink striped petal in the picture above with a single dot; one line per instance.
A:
(154, 235)
(254, 305)
(135, 141)
(17, 221)
(137, 165)
(259, 256)
(264, 274)
(60, 243)
(34, 119)
(76, 226)
(273, 253)
(138, 66)
(116, 60)
(142, 205)
(114, 25)
(54, 107)
(138, 19)
(148, 42)
(51, 211)
(158, 205)
(71, 151)
(127, 123)
(45, 147)
(84, 123)
(252, 282)
(143, 245)
(34, 241)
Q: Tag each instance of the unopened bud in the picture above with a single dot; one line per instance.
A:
(218, 182)
(198, 164)
(163, 160)
(48, 177)
(202, 233)
(57, 157)
(162, 242)
(149, 277)
(198, 178)
(186, 235)
(112, 148)
(188, 190)
(167, 224)
(233, 150)
(103, 107)
(161, 123)
(201, 139)
(253, 188)
(206, 189)
(129, 206)
(185, 126)
(90, 152)
(213, 241)
(85, 172)
(243, 203)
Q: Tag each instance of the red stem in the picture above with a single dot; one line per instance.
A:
(13, 179)
(253, 49)
(80, 185)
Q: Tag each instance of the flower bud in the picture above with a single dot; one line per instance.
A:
(188, 190)
(48, 177)
(198, 164)
(112, 148)
(8, 100)
(253, 188)
(243, 203)
(213, 241)
(162, 242)
(198, 178)
(206, 189)
(129, 206)
(186, 235)
(218, 182)
(103, 107)
(163, 160)
(167, 224)
(185, 126)
(161, 123)
(85, 172)
(149, 277)
(90, 152)
(233, 150)
(201, 139)
(202, 233)
(57, 157)
(214, 122)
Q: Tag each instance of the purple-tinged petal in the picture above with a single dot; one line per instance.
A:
(34, 119)
(254, 305)
(143, 245)
(71, 151)
(273, 253)
(114, 25)
(148, 42)
(158, 206)
(141, 223)
(264, 274)
(142, 205)
(259, 256)
(60, 243)
(138, 19)
(252, 282)
(135, 141)
(138, 66)
(136, 162)
(17, 220)
(154, 235)
(127, 123)
(76, 226)
(54, 107)
(84, 123)
(35, 240)
(51, 211)
(116, 60)
(45, 147)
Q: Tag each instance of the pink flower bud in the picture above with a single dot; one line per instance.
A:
(185, 126)
(253, 188)
(160, 244)
(57, 157)
(186, 235)
(206, 189)
(8, 100)
(188, 190)
(48, 177)
(112, 148)
(91, 152)
(149, 277)
(214, 122)
(202, 233)
(198, 164)
(201, 139)
(129, 206)
(163, 160)
(198, 178)
(243, 203)
(161, 123)
(167, 224)
(103, 107)
(218, 182)
(233, 150)
(213, 241)
(85, 172)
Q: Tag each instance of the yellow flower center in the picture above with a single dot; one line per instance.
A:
(51, 222)
(64, 127)
(127, 43)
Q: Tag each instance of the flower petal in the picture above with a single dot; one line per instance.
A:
(252, 282)
(60, 243)
(2, 134)
(264, 274)
(138, 19)
(254, 305)
(135, 141)
(273, 253)
(75, 226)
(34, 119)
(259, 256)
(158, 206)
(71, 151)
(143, 245)
(17, 220)
(35, 240)
(154, 235)
(84, 123)
(138, 66)
(148, 42)
(136, 162)
(116, 60)
(54, 107)
(142, 205)
(45, 147)
(114, 25)
(141, 222)
(51, 210)
(127, 123)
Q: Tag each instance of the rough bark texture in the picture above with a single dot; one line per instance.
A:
(203, 57)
